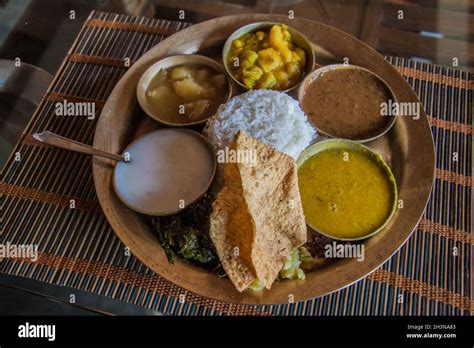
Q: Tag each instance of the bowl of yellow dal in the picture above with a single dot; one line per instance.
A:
(348, 192)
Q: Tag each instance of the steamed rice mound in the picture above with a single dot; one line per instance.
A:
(273, 117)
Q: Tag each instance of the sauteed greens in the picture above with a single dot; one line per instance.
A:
(187, 234)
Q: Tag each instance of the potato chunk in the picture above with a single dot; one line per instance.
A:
(282, 78)
(180, 73)
(250, 56)
(210, 93)
(164, 99)
(219, 80)
(188, 89)
(253, 73)
(269, 59)
(202, 74)
(248, 82)
(293, 69)
(159, 93)
(276, 39)
(300, 56)
(267, 81)
(196, 111)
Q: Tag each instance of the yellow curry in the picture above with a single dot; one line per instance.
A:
(267, 60)
(346, 193)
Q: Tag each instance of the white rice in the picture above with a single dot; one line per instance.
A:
(272, 117)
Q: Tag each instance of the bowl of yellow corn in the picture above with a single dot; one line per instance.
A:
(268, 55)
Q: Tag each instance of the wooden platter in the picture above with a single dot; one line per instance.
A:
(407, 148)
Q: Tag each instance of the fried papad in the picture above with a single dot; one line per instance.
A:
(259, 211)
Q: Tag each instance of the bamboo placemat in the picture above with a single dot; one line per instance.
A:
(430, 274)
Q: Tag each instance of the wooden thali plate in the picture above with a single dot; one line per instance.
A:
(407, 148)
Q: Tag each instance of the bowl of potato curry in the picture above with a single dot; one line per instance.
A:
(268, 55)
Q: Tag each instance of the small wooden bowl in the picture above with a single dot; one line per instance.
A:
(170, 62)
(299, 39)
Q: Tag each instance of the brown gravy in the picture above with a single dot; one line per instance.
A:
(345, 103)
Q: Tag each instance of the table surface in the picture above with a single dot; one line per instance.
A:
(96, 303)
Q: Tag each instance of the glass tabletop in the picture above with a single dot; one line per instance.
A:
(438, 31)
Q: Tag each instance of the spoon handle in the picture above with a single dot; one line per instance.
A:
(68, 144)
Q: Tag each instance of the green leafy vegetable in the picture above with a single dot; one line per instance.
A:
(187, 234)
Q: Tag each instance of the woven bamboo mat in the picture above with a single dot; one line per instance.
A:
(429, 275)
